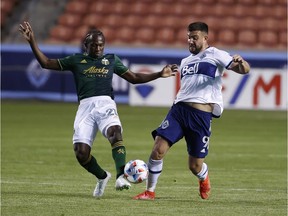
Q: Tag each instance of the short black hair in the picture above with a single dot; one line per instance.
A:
(93, 32)
(198, 26)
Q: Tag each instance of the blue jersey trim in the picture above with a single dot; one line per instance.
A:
(204, 68)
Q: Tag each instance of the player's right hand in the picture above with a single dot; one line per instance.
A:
(169, 70)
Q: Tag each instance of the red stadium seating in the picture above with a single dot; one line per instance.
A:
(113, 20)
(247, 23)
(169, 21)
(279, 12)
(95, 20)
(239, 23)
(109, 33)
(140, 8)
(227, 2)
(282, 3)
(268, 38)
(161, 8)
(132, 20)
(61, 33)
(283, 39)
(100, 7)
(70, 19)
(150, 21)
(125, 35)
(227, 37)
(247, 38)
(251, 3)
(182, 10)
(7, 6)
(181, 38)
(165, 36)
(145, 35)
(120, 7)
(268, 2)
(78, 7)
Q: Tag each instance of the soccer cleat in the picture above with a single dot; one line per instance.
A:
(100, 186)
(122, 184)
(204, 188)
(146, 195)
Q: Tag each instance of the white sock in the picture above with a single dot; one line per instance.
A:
(155, 169)
(203, 173)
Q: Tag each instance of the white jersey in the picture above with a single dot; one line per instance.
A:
(201, 78)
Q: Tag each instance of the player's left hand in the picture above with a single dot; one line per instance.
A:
(169, 70)
(237, 58)
(26, 31)
(239, 65)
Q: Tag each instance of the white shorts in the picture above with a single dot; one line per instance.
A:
(93, 114)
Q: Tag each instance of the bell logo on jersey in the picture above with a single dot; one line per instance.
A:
(204, 68)
(190, 69)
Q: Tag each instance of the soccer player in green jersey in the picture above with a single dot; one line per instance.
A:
(93, 72)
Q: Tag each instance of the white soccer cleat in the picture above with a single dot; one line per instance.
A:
(122, 184)
(101, 185)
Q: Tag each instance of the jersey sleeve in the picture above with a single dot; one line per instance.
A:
(120, 68)
(66, 63)
(223, 58)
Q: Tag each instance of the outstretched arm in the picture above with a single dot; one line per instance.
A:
(43, 60)
(239, 65)
(135, 78)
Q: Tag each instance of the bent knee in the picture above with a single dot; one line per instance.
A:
(157, 155)
(82, 153)
(114, 134)
(160, 148)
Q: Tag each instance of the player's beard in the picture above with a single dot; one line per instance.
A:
(194, 49)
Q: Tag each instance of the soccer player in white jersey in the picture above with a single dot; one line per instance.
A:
(198, 100)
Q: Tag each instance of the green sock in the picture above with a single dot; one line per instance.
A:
(119, 156)
(93, 167)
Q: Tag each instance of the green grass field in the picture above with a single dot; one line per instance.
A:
(40, 175)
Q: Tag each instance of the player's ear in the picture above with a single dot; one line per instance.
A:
(85, 43)
(206, 37)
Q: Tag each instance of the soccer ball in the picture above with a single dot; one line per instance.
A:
(136, 171)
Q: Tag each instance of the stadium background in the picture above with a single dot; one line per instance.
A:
(146, 35)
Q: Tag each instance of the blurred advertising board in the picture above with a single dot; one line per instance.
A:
(264, 88)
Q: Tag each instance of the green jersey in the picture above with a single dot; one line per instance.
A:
(93, 77)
